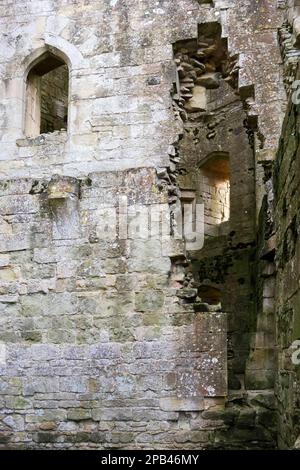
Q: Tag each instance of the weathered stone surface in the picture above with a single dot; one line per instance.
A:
(198, 102)
(209, 80)
(181, 404)
(287, 294)
(110, 337)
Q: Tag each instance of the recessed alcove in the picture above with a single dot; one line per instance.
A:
(215, 187)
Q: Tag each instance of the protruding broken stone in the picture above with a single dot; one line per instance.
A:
(204, 307)
(62, 187)
(297, 443)
(198, 102)
(209, 80)
(187, 293)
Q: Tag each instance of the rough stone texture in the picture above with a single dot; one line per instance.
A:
(287, 284)
(127, 342)
(94, 334)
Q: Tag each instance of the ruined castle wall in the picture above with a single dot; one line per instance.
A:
(101, 345)
(97, 349)
(127, 58)
(287, 287)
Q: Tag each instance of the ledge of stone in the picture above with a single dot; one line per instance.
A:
(43, 139)
(181, 404)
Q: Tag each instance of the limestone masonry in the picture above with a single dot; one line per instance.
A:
(149, 224)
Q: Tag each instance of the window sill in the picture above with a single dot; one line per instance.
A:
(56, 137)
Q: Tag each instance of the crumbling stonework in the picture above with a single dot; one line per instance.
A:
(110, 337)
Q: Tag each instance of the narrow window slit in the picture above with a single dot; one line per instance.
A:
(215, 186)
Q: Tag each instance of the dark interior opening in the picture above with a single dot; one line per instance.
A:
(47, 96)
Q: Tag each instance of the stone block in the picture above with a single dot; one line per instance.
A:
(199, 100)
(149, 300)
(181, 404)
(79, 414)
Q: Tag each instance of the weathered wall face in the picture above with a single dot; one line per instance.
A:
(287, 287)
(121, 74)
(98, 348)
(105, 343)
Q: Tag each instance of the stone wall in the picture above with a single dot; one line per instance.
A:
(106, 342)
(99, 350)
(287, 284)
(215, 190)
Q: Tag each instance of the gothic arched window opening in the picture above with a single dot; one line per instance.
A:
(47, 90)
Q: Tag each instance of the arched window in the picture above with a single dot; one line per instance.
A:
(215, 190)
(47, 89)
